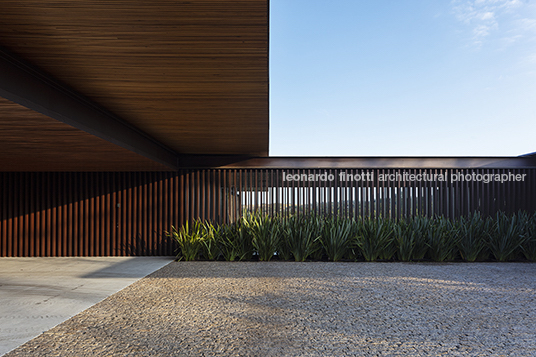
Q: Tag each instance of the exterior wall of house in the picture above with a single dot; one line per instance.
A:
(127, 213)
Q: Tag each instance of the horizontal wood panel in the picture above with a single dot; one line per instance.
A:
(30, 141)
(191, 74)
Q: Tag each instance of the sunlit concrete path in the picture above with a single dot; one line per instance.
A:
(36, 294)
(308, 309)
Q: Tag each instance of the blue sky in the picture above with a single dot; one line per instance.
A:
(397, 78)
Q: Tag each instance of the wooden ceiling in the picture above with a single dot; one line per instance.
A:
(32, 141)
(191, 74)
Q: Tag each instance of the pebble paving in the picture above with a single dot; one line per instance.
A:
(308, 309)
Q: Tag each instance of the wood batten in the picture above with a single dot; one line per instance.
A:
(26, 85)
(191, 74)
(127, 213)
(31, 141)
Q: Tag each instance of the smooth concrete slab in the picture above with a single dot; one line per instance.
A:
(36, 294)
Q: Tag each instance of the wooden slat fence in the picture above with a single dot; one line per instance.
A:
(126, 213)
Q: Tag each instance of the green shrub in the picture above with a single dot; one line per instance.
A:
(507, 237)
(235, 241)
(528, 247)
(210, 246)
(265, 235)
(442, 236)
(301, 235)
(336, 237)
(190, 240)
(473, 233)
(244, 237)
(411, 238)
(283, 251)
(405, 240)
(305, 237)
(375, 239)
(228, 242)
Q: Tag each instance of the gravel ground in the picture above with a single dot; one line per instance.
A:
(308, 309)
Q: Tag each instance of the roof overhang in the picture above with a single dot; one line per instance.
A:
(160, 79)
(364, 162)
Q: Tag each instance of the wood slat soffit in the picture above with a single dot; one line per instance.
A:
(191, 74)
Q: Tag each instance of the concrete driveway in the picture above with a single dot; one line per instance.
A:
(36, 294)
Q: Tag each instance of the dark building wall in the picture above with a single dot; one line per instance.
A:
(86, 214)
(127, 213)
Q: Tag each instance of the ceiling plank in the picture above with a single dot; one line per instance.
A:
(191, 74)
(31, 141)
(26, 85)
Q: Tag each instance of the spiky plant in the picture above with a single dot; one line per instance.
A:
(374, 238)
(285, 226)
(189, 238)
(210, 246)
(410, 236)
(473, 233)
(507, 238)
(265, 235)
(389, 248)
(528, 247)
(336, 237)
(228, 242)
(421, 224)
(301, 235)
(244, 238)
(442, 236)
(405, 240)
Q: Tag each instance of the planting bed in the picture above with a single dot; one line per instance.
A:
(207, 308)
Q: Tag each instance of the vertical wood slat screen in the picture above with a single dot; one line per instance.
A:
(87, 213)
(126, 213)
